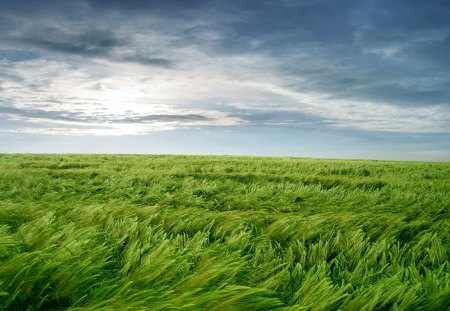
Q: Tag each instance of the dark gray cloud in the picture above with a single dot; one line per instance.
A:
(71, 116)
(42, 114)
(92, 42)
(146, 60)
(52, 29)
(379, 84)
(79, 42)
(257, 116)
(165, 118)
(170, 7)
(380, 51)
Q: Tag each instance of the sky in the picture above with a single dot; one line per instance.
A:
(365, 79)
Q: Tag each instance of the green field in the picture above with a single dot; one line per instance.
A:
(130, 232)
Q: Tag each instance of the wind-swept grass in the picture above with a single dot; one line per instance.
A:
(104, 232)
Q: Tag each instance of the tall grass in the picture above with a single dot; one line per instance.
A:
(104, 232)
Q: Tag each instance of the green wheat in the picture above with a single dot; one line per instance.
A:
(130, 232)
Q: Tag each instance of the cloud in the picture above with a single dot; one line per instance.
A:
(146, 60)
(41, 114)
(167, 6)
(326, 64)
(78, 117)
(72, 123)
(17, 55)
(166, 118)
(90, 43)
(96, 43)
(71, 117)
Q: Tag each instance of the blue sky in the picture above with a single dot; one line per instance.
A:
(307, 78)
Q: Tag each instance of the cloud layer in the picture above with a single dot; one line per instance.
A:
(133, 67)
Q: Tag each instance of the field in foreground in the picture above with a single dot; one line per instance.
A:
(104, 232)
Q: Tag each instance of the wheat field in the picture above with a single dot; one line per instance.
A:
(142, 232)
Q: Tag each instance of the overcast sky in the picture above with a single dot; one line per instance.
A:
(308, 78)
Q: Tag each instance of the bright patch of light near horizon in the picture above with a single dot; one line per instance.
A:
(119, 101)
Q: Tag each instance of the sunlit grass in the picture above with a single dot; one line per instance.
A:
(103, 232)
